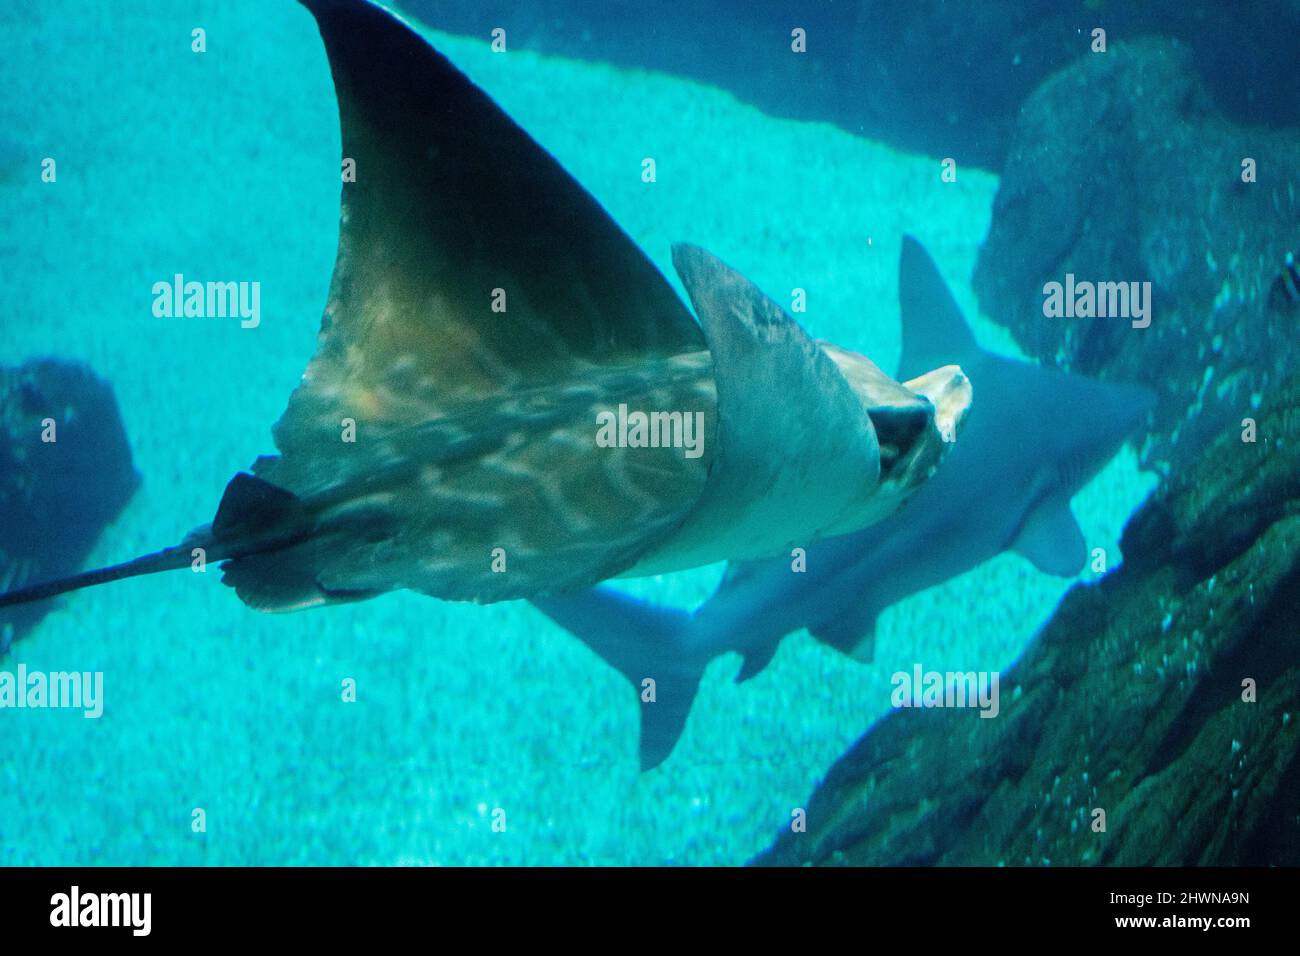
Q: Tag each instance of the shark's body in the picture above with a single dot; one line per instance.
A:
(484, 314)
(1033, 437)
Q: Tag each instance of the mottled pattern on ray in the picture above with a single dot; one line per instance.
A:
(431, 502)
(476, 428)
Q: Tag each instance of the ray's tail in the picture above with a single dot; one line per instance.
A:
(254, 516)
(168, 559)
(644, 643)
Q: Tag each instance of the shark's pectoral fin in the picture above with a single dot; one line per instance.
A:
(852, 632)
(1051, 539)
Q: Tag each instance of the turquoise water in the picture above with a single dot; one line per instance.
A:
(225, 165)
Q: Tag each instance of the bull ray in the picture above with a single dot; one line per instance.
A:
(473, 471)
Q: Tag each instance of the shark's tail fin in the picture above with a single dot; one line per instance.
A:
(645, 644)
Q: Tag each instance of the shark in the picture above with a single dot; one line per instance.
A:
(484, 317)
(1034, 436)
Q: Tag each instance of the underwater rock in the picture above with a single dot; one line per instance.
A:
(56, 495)
(1132, 700)
(1122, 170)
(930, 76)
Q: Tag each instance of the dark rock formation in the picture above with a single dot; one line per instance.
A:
(935, 76)
(1122, 170)
(55, 497)
(1130, 700)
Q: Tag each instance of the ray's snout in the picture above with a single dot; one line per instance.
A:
(950, 392)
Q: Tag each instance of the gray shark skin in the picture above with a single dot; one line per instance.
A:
(1033, 437)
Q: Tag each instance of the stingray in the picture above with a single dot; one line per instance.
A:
(56, 497)
(484, 313)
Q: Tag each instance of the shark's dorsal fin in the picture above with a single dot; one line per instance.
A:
(1052, 540)
(935, 332)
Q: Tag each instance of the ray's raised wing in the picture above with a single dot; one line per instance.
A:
(480, 424)
(452, 201)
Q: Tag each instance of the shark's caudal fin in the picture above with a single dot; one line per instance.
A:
(643, 643)
(935, 332)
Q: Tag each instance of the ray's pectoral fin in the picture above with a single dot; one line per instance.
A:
(1052, 540)
(775, 481)
(470, 263)
(478, 290)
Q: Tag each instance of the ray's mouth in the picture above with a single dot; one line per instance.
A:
(897, 431)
